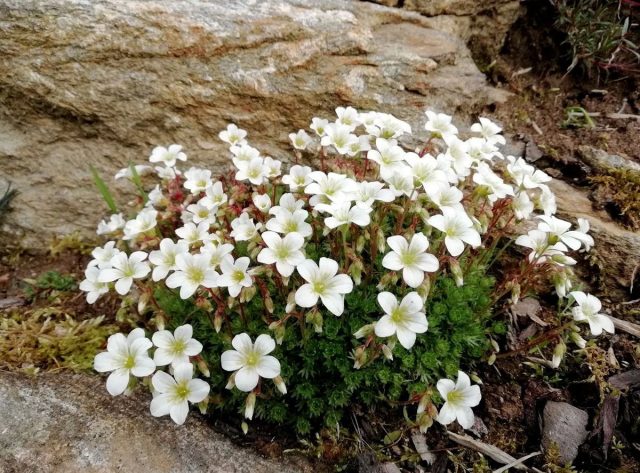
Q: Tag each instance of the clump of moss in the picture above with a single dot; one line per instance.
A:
(49, 338)
(619, 191)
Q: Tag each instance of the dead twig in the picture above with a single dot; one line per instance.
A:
(491, 451)
(517, 462)
(628, 327)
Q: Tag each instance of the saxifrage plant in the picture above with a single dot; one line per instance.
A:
(304, 294)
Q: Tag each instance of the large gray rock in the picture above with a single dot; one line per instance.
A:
(67, 423)
(483, 24)
(103, 81)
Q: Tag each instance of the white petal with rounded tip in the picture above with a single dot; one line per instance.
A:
(179, 412)
(412, 276)
(184, 332)
(392, 261)
(144, 366)
(106, 361)
(385, 327)
(117, 344)
(342, 284)
(264, 344)
(163, 339)
(183, 372)
(334, 303)
(231, 360)
(123, 285)
(445, 386)
(307, 269)
(163, 382)
(193, 347)
(454, 245)
(162, 357)
(605, 322)
(242, 343)
(161, 405)
(397, 243)
(447, 414)
(246, 379)
(463, 381)
(465, 417)
(406, 337)
(268, 367)
(118, 381)
(198, 390)
(328, 266)
(139, 346)
(387, 301)
(472, 396)
(305, 296)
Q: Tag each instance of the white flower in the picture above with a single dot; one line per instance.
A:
(201, 213)
(144, 222)
(522, 206)
(197, 180)
(319, 125)
(300, 140)
(546, 201)
(192, 233)
(412, 258)
(141, 170)
(164, 259)
(582, 234)
(166, 173)
(262, 202)
(384, 125)
(484, 176)
(439, 124)
(348, 116)
(234, 274)
(175, 348)
(116, 222)
(489, 131)
(284, 252)
(92, 286)
(342, 213)
(401, 183)
(124, 269)
(192, 271)
(525, 175)
(446, 196)
(214, 196)
(389, 156)
(425, 170)
(330, 187)
(215, 252)
(156, 198)
(125, 356)
(285, 221)
(559, 230)
(458, 230)
(458, 154)
(176, 392)
(272, 167)
(103, 255)
(361, 144)
(253, 171)
(369, 192)
(298, 177)
(287, 202)
(459, 398)
(251, 361)
(339, 136)
(588, 308)
(243, 154)
(480, 149)
(233, 135)
(244, 228)
(168, 156)
(538, 241)
(404, 319)
(324, 283)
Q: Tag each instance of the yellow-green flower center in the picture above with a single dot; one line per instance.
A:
(454, 396)
(238, 276)
(182, 390)
(130, 362)
(195, 274)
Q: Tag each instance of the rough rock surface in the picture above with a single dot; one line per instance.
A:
(617, 249)
(103, 81)
(482, 24)
(565, 426)
(65, 423)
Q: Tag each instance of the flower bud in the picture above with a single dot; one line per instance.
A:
(245, 427)
(142, 302)
(424, 421)
(291, 302)
(278, 331)
(314, 317)
(280, 385)
(249, 405)
(380, 240)
(202, 366)
(203, 405)
(204, 304)
(558, 354)
(425, 288)
(160, 320)
(364, 331)
(355, 270)
(217, 322)
(577, 339)
(231, 383)
(386, 351)
(360, 357)
(456, 272)
(360, 242)
(268, 303)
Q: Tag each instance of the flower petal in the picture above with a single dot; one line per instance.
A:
(198, 390)
(264, 344)
(268, 367)
(163, 382)
(179, 412)
(231, 360)
(242, 343)
(246, 378)
(144, 366)
(161, 405)
(184, 332)
(106, 361)
(118, 381)
(334, 303)
(412, 276)
(163, 339)
(305, 296)
(385, 327)
(406, 337)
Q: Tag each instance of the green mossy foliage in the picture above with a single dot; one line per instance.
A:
(318, 367)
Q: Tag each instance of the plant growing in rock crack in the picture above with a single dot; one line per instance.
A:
(371, 280)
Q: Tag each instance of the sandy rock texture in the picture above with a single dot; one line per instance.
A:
(66, 423)
(102, 81)
(482, 24)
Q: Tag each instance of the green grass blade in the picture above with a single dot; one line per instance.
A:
(104, 190)
(135, 177)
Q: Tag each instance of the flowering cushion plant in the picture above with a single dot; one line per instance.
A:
(302, 292)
